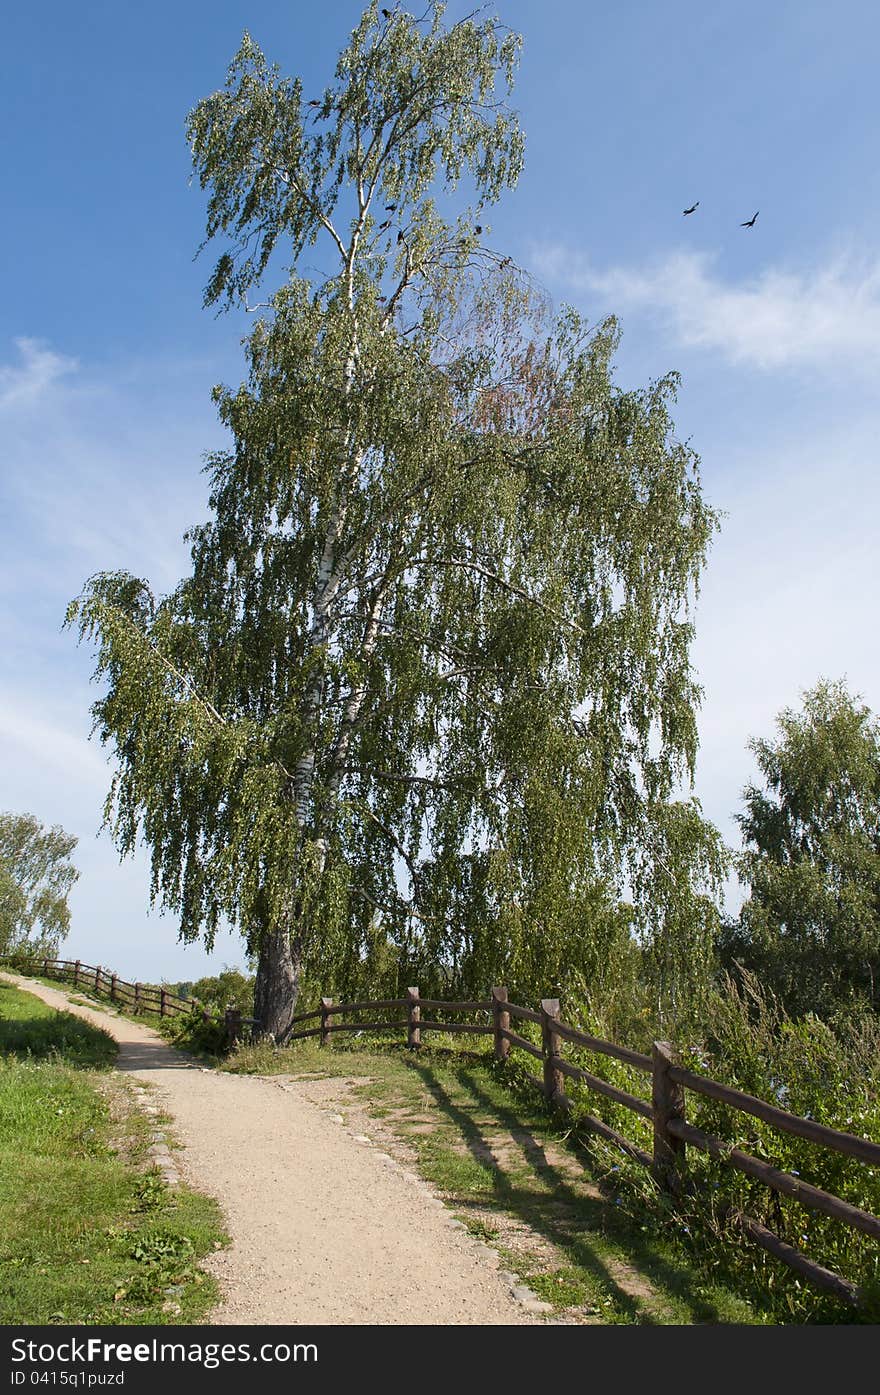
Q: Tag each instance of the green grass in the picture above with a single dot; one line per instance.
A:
(88, 1233)
(188, 1032)
(31, 1029)
(508, 1170)
(585, 1228)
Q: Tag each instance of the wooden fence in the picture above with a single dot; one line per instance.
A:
(134, 997)
(666, 1108)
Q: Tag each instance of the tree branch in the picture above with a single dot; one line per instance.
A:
(504, 585)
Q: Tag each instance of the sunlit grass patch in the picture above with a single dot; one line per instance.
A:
(86, 1234)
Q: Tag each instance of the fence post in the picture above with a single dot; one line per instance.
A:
(233, 1025)
(76, 974)
(413, 1018)
(45, 968)
(163, 1003)
(550, 1047)
(667, 1099)
(98, 979)
(137, 998)
(326, 1014)
(113, 988)
(501, 1023)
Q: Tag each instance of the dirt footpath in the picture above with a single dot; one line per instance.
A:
(325, 1228)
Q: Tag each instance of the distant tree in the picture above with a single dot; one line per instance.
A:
(428, 682)
(811, 925)
(35, 882)
(231, 988)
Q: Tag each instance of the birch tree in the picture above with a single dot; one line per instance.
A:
(810, 926)
(36, 878)
(429, 671)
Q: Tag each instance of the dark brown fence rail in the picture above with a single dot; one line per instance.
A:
(666, 1108)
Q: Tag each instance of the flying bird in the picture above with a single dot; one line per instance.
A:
(751, 222)
(692, 209)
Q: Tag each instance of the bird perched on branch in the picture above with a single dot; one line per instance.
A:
(400, 237)
(386, 224)
(692, 209)
(390, 207)
(313, 103)
(751, 222)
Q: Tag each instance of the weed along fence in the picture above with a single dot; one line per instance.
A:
(665, 1110)
(134, 997)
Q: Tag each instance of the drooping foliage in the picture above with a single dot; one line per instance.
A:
(425, 695)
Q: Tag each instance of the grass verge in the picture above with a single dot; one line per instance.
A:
(88, 1232)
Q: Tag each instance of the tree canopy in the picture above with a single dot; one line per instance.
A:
(36, 878)
(427, 685)
(811, 925)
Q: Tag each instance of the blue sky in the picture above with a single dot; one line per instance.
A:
(631, 112)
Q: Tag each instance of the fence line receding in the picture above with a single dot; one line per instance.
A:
(666, 1109)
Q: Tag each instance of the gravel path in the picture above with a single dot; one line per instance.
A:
(325, 1228)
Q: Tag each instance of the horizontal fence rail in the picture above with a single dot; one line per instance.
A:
(524, 1014)
(666, 1109)
(523, 1043)
(817, 1274)
(813, 1197)
(604, 1048)
(862, 1148)
(136, 997)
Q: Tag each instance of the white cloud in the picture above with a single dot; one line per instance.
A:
(59, 526)
(99, 472)
(25, 383)
(39, 741)
(828, 316)
(105, 473)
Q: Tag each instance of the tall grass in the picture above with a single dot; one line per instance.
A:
(831, 1075)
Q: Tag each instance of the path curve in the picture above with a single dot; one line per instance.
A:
(325, 1229)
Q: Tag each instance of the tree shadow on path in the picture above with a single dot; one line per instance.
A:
(581, 1225)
